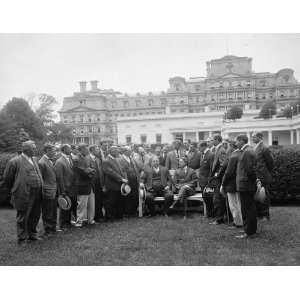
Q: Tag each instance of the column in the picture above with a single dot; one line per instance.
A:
(184, 136)
(210, 134)
(270, 138)
(197, 136)
(292, 136)
(249, 136)
(298, 136)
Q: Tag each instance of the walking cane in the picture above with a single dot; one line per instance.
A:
(227, 210)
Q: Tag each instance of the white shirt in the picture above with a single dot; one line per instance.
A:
(156, 170)
(257, 144)
(67, 158)
(92, 156)
(29, 159)
(126, 158)
(217, 147)
(46, 156)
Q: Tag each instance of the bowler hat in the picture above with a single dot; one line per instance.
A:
(125, 189)
(64, 202)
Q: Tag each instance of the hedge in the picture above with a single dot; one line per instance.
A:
(4, 191)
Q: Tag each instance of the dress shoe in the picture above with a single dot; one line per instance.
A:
(214, 223)
(35, 238)
(242, 236)
(78, 225)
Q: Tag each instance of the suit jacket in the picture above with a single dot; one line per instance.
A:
(172, 161)
(162, 159)
(16, 178)
(229, 178)
(49, 177)
(188, 178)
(265, 164)
(246, 171)
(65, 177)
(84, 175)
(125, 166)
(164, 175)
(113, 174)
(98, 179)
(205, 167)
(218, 163)
(194, 160)
(141, 162)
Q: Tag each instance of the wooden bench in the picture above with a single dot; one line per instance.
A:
(196, 197)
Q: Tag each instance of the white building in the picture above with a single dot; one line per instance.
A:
(199, 126)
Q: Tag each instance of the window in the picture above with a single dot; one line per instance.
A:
(138, 103)
(248, 83)
(99, 129)
(158, 138)
(128, 139)
(86, 140)
(221, 84)
(73, 119)
(90, 129)
(90, 118)
(150, 102)
(143, 138)
(197, 88)
(98, 117)
(163, 101)
(125, 103)
(81, 118)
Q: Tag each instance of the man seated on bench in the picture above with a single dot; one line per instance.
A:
(185, 181)
(157, 182)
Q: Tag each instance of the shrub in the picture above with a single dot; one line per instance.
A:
(235, 112)
(268, 110)
(285, 186)
(4, 191)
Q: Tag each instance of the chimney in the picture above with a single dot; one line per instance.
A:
(94, 85)
(82, 85)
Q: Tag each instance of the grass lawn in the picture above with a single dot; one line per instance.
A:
(158, 241)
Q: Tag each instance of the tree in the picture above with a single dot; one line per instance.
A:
(45, 111)
(235, 112)
(268, 110)
(59, 132)
(19, 115)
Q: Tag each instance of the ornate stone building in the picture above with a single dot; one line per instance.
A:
(230, 80)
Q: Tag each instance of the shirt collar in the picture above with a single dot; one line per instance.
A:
(205, 150)
(65, 156)
(26, 156)
(110, 156)
(256, 146)
(92, 156)
(244, 147)
(218, 146)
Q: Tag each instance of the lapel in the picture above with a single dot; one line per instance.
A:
(26, 161)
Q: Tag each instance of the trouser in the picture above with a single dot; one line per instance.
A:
(99, 200)
(49, 211)
(131, 201)
(234, 202)
(113, 205)
(65, 216)
(183, 193)
(28, 217)
(249, 212)
(85, 208)
(263, 209)
(150, 203)
(208, 200)
(219, 203)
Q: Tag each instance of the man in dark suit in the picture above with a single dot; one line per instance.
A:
(264, 167)
(66, 185)
(172, 160)
(217, 172)
(141, 158)
(163, 156)
(114, 177)
(204, 173)
(194, 157)
(22, 175)
(49, 203)
(130, 168)
(228, 186)
(185, 180)
(157, 182)
(246, 185)
(84, 176)
(95, 161)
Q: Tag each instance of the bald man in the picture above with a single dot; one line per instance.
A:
(23, 177)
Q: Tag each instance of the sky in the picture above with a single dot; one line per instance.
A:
(129, 63)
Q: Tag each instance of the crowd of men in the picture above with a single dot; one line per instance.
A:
(103, 183)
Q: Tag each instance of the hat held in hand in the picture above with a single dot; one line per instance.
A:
(125, 189)
(64, 202)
